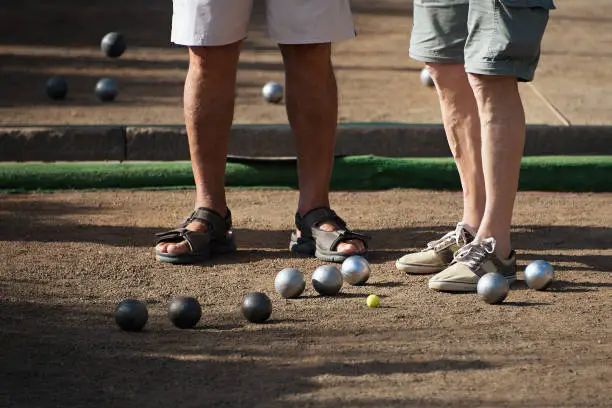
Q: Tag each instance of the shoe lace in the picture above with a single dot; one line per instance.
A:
(474, 253)
(460, 234)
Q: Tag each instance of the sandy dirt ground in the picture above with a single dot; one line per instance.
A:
(377, 79)
(69, 257)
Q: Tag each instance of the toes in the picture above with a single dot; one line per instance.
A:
(173, 248)
(180, 248)
(353, 246)
(162, 247)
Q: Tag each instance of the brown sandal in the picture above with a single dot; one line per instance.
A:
(217, 239)
(322, 244)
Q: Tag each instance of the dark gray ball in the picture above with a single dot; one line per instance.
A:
(56, 87)
(113, 45)
(256, 307)
(185, 312)
(106, 89)
(131, 315)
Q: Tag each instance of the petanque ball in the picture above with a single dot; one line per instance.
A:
(113, 45)
(131, 315)
(56, 87)
(184, 312)
(256, 307)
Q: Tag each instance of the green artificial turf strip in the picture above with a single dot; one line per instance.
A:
(550, 173)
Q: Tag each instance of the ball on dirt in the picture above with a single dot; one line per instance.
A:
(539, 275)
(426, 78)
(56, 87)
(106, 89)
(256, 307)
(355, 270)
(493, 288)
(327, 280)
(113, 44)
(131, 315)
(373, 301)
(185, 312)
(289, 283)
(272, 92)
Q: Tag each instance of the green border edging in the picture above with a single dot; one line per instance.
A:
(547, 173)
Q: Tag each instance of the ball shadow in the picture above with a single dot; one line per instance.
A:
(339, 296)
(526, 304)
(392, 284)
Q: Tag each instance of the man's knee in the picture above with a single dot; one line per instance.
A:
(446, 75)
(207, 57)
(307, 56)
(481, 83)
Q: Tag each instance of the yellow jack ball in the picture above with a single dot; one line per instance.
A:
(373, 301)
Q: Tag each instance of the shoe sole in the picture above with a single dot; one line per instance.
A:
(411, 269)
(218, 248)
(307, 248)
(460, 286)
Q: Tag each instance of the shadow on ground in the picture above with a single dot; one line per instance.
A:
(75, 356)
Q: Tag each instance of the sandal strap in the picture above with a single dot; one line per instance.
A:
(315, 217)
(195, 239)
(218, 226)
(329, 240)
(308, 226)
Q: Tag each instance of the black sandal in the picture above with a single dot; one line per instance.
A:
(203, 245)
(322, 244)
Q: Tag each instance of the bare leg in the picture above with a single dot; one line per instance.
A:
(503, 139)
(462, 126)
(209, 111)
(312, 109)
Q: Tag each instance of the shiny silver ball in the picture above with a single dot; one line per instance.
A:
(355, 270)
(426, 78)
(327, 280)
(289, 283)
(272, 92)
(539, 275)
(493, 288)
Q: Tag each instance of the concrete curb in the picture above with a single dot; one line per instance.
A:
(169, 143)
(70, 143)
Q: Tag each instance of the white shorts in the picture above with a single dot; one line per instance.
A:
(221, 22)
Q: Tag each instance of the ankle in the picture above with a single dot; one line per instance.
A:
(503, 249)
(503, 246)
(503, 252)
(220, 208)
(472, 227)
(304, 208)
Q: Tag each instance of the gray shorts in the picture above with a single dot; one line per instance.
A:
(491, 37)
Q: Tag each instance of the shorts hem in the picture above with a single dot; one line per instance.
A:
(521, 75)
(436, 58)
(311, 40)
(204, 41)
